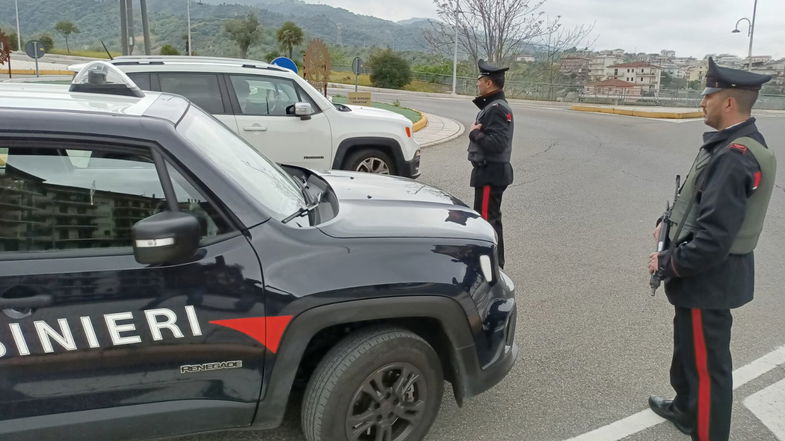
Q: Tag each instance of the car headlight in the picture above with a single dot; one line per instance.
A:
(486, 267)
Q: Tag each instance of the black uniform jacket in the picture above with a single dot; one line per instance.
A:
(700, 272)
(494, 137)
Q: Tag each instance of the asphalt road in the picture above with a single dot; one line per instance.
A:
(578, 223)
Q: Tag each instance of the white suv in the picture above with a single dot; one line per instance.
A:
(282, 115)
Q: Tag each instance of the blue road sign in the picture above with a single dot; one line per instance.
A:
(285, 62)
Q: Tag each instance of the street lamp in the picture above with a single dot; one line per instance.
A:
(750, 32)
(18, 31)
(188, 14)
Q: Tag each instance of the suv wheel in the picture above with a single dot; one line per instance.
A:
(378, 384)
(370, 161)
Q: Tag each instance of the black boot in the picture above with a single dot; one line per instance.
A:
(667, 410)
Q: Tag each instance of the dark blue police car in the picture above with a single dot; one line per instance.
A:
(158, 276)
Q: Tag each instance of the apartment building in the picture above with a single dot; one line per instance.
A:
(639, 73)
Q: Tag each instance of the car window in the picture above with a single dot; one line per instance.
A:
(82, 198)
(266, 181)
(261, 95)
(141, 79)
(191, 200)
(202, 89)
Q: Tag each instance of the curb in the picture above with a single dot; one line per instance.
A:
(421, 123)
(639, 113)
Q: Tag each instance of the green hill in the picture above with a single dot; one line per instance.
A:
(99, 20)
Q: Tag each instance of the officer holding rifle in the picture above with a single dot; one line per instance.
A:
(707, 264)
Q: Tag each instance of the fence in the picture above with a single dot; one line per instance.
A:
(525, 89)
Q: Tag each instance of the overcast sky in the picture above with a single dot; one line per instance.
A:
(690, 27)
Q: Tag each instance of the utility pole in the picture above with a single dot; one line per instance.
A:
(145, 26)
(123, 27)
(130, 15)
(188, 14)
(455, 54)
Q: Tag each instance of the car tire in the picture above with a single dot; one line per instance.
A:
(379, 381)
(371, 161)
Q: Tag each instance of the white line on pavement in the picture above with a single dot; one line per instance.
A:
(769, 406)
(646, 418)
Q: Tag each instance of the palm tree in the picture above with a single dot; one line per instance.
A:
(66, 28)
(289, 35)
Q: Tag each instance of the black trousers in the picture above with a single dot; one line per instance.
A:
(488, 202)
(701, 370)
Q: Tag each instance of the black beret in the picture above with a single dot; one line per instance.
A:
(718, 78)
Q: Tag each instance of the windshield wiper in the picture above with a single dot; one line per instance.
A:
(300, 212)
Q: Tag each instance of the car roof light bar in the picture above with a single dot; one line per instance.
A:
(104, 78)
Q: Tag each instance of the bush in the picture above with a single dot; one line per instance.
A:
(168, 49)
(389, 70)
(47, 42)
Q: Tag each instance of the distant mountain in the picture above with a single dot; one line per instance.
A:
(99, 20)
(414, 21)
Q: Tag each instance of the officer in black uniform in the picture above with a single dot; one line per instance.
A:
(708, 269)
(490, 147)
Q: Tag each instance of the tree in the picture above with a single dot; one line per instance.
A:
(389, 70)
(288, 36)
(317, 65)
(12, 41)
(557, 40)
(47, 42)
(244, 32)
(168, 49)
(491, 29)
(66, 28)
(272, 55)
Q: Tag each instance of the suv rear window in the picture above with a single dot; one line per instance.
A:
(202, 89)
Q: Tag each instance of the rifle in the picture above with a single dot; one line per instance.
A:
(662, 239)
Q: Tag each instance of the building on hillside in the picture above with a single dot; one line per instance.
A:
(639, 73)
(730, 60)
(668, 54)
(578, 67)
(612, 88)
(760, 59)
(697, 72)
(599, 64)
(674, 70)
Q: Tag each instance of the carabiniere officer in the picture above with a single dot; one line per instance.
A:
(709, 267)
(490, 147)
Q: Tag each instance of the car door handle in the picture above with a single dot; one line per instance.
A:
(255, 128)
(26, 302)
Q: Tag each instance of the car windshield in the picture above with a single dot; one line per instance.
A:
(262, 178)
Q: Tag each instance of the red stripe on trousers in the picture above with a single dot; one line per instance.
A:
(486, 196)
(704, 382)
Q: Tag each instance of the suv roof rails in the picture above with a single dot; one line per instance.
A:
(161, 59)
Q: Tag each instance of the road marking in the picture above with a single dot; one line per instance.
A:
(646, 418)
(769, 406)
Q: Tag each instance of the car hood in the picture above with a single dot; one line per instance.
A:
(388, 206)
(373, 112)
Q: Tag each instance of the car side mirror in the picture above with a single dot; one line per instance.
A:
(165, 237)
(303, 110)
